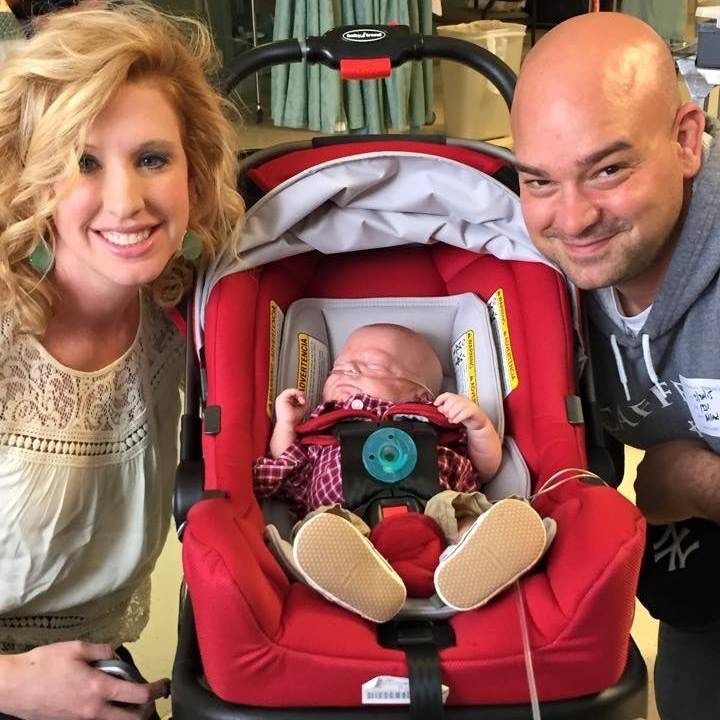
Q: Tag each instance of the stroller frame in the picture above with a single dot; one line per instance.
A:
(192, 699)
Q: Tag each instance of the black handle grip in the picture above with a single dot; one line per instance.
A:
(371, 41)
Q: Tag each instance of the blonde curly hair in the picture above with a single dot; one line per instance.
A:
(54, 85)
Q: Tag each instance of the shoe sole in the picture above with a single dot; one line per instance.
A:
(344, 567)
(507, 542)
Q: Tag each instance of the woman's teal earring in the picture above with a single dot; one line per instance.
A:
(191, 247)
(41, 259)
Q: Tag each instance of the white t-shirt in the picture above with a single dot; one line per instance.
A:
(632, 323)
(87, 463)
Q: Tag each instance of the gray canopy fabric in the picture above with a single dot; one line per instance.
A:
(317, 98)
(375, 200)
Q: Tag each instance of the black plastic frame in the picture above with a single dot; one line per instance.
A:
(397, 44)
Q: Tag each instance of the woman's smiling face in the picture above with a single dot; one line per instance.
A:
(118, 227)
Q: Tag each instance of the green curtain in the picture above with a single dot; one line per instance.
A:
(9, 27)
(218, 15)
(315, 97)
(667, 17)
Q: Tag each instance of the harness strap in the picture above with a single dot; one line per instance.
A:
(421, 641)
(400, 411)
(444, 438)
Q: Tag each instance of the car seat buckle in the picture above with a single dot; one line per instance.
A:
(387, 511)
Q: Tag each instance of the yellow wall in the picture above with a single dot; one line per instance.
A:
(155, 650)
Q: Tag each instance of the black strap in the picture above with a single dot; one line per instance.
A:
(421, 641)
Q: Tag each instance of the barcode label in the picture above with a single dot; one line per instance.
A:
(390, 690)
(388, 695)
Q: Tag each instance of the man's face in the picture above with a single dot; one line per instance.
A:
(601, 190)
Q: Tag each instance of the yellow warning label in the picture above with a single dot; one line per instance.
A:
(470, 369)
(463, 358)
(471, 373)
(276, 322)
(498, 319)
(303, 366)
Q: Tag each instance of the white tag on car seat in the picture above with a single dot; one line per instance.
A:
(702, 396)
(390, 690)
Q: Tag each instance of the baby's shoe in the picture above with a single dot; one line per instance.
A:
(501, 545)
(343, 566)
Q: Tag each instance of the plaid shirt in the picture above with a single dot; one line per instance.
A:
(309, 476)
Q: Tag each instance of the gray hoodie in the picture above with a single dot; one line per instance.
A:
(664, 383)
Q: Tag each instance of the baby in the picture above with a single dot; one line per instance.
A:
(489, 545)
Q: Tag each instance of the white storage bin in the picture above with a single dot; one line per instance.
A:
(473, 107)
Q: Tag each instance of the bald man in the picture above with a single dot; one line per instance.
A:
(620, 190)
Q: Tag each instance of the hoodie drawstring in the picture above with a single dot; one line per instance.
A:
(647, 357)
(619, 365)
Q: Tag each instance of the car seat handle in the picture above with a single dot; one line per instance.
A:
(351, 46)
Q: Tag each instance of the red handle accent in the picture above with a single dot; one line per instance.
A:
(392, 510)
(365, 68)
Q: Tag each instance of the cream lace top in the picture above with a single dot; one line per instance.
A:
(86, 470)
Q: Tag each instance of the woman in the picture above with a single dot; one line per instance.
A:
(118, 164)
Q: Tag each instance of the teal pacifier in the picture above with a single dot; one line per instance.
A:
(389, 455)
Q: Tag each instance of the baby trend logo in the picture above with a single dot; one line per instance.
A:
(364, 35)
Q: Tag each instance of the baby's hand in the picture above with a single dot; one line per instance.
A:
(459, 409)
(290, 407)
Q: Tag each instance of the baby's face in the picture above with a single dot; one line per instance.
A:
(371, 362)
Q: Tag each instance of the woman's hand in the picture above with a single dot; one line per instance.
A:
(57, 682)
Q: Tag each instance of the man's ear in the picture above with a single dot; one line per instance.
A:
(689, 128)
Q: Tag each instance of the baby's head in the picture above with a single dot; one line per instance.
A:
(390, 362)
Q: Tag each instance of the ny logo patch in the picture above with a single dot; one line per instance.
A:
(671, 544)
